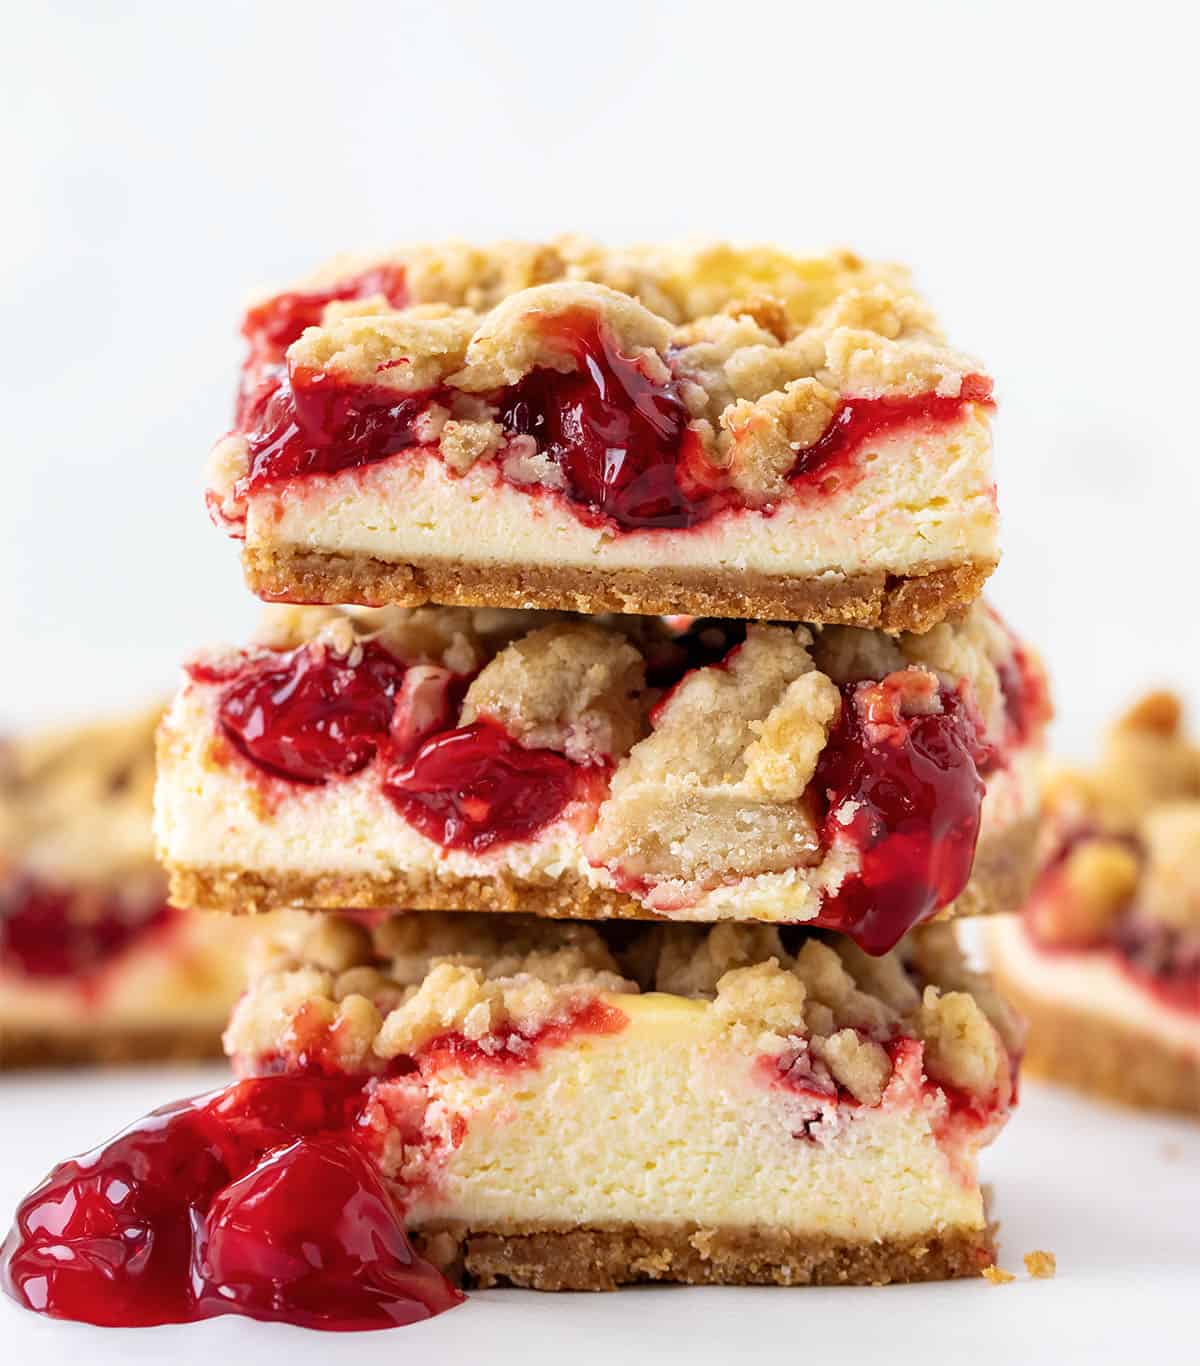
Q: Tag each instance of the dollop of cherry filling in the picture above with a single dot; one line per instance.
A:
(618, 433)
(900, 778)
(308, 422)
(49, 931)
(1163, 959)
(257, 1200)
(476, 787)
(273, 325)
(311, 714)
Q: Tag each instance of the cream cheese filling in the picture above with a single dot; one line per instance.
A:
(670, 1122)
(1088, 982)
(924, 498)
(210, 815)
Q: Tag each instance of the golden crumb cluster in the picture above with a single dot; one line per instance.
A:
(372, 994)
(1125, 834)
(762, 345)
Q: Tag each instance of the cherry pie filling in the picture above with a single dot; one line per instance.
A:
(1164, 960)
(904, 790)
(263, 1199)
(53, 932)
(616, 428)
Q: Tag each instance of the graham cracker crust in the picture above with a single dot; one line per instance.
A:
(999, 880)
(603, 1259)
(1100, 1056)
(891, 603)
(39, 1047)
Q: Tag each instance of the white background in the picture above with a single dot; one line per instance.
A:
(1035, 163)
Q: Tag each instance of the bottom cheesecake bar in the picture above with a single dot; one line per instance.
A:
(1104, 960)
(564, 1106)
(95, 966)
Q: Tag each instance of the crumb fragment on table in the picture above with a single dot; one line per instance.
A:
(1041, 1265)
(997, 1275)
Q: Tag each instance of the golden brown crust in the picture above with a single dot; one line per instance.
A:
(1102, 1057)
(31, 1047)
(916, 603)
(603, 1259)
(1003, 865)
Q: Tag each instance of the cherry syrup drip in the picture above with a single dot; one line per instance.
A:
(257, 1200)
(1162, 959)
(619, 436)
(51, 932)
(861, 420)
(906, 791)
(310, 714)
(273, 325)
(475, 788)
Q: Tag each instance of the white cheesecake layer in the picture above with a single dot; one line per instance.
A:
(214, 815)
(670, 1121)
(924, 497)
(1093, 983)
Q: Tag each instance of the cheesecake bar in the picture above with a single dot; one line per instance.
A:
(569, 1107)
(736, 433)
(450, 759)
(94, 965)
(1104, 961)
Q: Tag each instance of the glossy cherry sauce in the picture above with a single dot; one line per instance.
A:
(257, 1200)
(50, 931)
(617, 430)
(906, 791)
(311, 715)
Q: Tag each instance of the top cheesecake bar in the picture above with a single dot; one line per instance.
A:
(714, 431)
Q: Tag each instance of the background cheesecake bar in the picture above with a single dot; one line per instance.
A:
(1105, 959)
(717, 431)
(93, 962)
(571, 1107)
(454, 760)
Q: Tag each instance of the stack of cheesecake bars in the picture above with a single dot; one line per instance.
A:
(618, 804)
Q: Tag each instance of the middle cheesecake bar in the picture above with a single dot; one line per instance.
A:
(456, 759)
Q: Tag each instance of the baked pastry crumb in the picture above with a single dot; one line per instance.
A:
(997, 1275)
(1041, 1265)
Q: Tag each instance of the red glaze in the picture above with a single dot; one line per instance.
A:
(475, 788)
(617, 430)
(309, 714)
(59, 932)
(619, 436)
(256, 1200)
(916, 792)
(307, 422)
(273, 325)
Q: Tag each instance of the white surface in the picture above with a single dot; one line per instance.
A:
(1035, 163)
(1112, 1194)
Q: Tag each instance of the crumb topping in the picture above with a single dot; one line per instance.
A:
(1121, 841)
(373, 994)
(75, 804)
(1041, 1265)
(709, 777)
(762, 345)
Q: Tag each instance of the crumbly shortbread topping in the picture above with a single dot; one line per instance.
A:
(1122, 839)
(709, 777)
(763, 346)
(824, 1008)
(75, 804)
